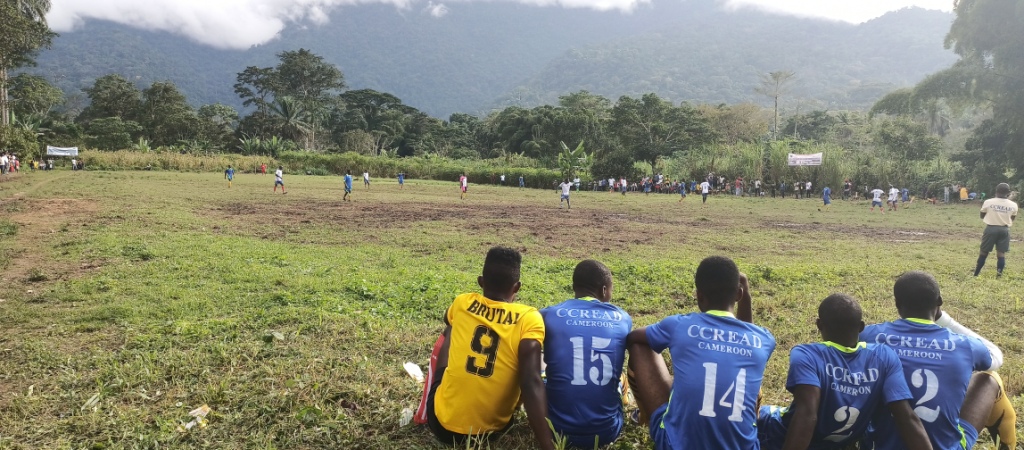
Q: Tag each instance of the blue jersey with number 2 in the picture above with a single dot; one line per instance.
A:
(584, 349)
(718, 363)
(937, 363)
(854, 385)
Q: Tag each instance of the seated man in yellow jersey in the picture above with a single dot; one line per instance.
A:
(490, 357)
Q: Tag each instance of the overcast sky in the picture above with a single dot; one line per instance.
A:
(243, 23)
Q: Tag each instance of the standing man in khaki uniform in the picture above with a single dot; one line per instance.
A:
(998, 214)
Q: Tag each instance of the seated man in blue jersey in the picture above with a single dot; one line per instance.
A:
(584, 349)
(718, 359)
(837, 386)
(941, 360)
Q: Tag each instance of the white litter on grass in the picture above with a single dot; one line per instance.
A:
(406, 417)
(414, 371)
(199, 415)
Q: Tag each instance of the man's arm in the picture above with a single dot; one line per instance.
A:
(806, 399)
(909, 426)
(744, 309)
(982, 215)
(637, 337)
(534, 396)
(442, 355)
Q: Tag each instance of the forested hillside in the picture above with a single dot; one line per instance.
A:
(488, 54)
(718, 58)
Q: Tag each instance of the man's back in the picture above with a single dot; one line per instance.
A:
(480, 388)
(854, 383)
(718, 363)
(584, 349)
(937, 364)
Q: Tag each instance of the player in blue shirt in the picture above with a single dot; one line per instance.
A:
(348, 186)
(522, 182)
(952, 401)
(584, 349)
(229, 174)
(401, 180)
(718, 360)
(826, 197)
(837, 386)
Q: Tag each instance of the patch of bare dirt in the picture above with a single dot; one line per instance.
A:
(39, 224)
(577, 231)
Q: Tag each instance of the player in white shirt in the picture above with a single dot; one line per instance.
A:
(998, 214)
(705, 189)
(894, 194)
(366, 180)
(279, 179)
(565, 186)
(876, 200)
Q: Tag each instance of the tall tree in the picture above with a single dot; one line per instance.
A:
(34, 10)
(22, 34)
(307, 78)
(33, 95)
(112, 96)
(166, 115)
(255, 86)
(775, 85)
(651, 127)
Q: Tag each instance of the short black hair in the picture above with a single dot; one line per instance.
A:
(916, 291)
(590, 276)
(718, 280)
(840, 312)
(1002, 190)
(501, 268)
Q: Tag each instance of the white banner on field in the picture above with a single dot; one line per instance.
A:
(805, 160)
(61, 151)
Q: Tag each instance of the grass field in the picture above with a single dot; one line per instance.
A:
(128, 299)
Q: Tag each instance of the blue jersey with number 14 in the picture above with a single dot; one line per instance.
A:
(584, 349)
(937, 363)
(718, 363)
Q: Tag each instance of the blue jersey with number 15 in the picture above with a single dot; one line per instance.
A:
(584, 349)
(719, 364)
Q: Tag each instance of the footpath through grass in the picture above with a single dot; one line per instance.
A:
(128, 299)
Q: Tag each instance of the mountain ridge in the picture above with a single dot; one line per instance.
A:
(479, 54)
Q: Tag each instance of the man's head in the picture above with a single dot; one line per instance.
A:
(348, 172)
(839, 317)
(280, 167)
(1003, 190)
(229, 166)
(718, 283)
(500, 279)
(917, 295)
(592, 279)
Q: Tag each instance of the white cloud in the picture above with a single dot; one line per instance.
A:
(854, 11)
(241, 24)
(436, 9)
(219, 23)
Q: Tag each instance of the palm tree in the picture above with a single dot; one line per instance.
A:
(294, 118)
